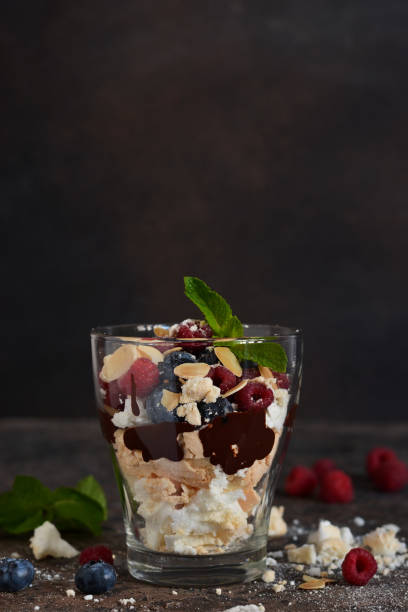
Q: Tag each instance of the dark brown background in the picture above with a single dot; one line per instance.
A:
(259, 145)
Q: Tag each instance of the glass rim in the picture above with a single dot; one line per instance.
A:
(106, 332)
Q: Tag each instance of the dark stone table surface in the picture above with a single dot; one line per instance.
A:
(60, 452)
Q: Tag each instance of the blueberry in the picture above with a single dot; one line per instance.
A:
(155, 409)
(15, 574)
(95, 577)
(208, 412)
(208, 356)
(166, 369)
(247, 364)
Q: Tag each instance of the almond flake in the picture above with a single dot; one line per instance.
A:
(151, 353)
(228, 359)
(188, 370)
(161, 331)
(169, 399)
(265, 372)
(176, 348)
(315, 584)
(237, 387)
(119, 362)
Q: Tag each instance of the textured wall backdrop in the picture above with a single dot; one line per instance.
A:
(259, 145)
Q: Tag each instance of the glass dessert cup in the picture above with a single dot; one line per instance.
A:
(197, 438)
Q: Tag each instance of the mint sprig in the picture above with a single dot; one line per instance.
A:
(224, 324)
(216, 310)
(29, 503)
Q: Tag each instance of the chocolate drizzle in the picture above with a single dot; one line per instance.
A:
(156, 441)
(133, 401)
(237, 440)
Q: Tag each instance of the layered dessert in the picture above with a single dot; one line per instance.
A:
(195, 430)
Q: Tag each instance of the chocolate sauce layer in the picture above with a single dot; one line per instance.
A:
(108, 428)
(237, 440)
(156, 441)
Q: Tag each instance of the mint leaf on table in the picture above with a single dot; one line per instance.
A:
(91, 487)
(29, 503)
(216, 310)
(269, 354)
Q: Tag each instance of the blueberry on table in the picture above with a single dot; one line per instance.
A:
(15, 574)
(158, 413)
(95, 577)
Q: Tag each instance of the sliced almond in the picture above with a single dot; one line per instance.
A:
(188, 370)
(161, 331)
(311, 585)
(118, 363)
(307, 578)
(151, 353)
(170, 400)
(265, 372)
(176, 348)
(228, 359)
(237, 387)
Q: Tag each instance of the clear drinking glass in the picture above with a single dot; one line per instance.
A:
(196, 464)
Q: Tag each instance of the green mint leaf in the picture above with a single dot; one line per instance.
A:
(29, 523)
(72, 510)
(30, 492)
(216, 310)
(23, 508)
(234, 328)
(269, 354)
(90, 486)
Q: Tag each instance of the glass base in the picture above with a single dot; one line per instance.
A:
(201, 570)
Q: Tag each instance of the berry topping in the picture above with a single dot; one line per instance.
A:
(222, 378)
(208, 412)
(156, 412)
(378, 456)
(194, 329)
(282, 380)
(114, 397)
(301, 481)
(166, 368)
(145, 374)
(15, 574)
(359, 566)
(390, 477)
(253, 396)
(336, 487)
(322, 466)
(96, 553)
(208, 356)
(247, 364)
(95, 577)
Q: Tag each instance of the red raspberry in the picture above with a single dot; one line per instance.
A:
(145, 374)
(253, 396)
(378, 456)
(222, 378)
(336, 487)
(282, 380)
(201, 330)
(96, 553)
(323, 466)
(391, 476)
(301, 481)
(359, 566)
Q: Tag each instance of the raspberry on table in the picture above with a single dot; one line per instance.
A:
(222, 378)
(322, 466)
(145, 374)
(301, 481)
(336, 487)
(96, 553)
(378, 456)
(253, 396)
(391, 477)
(359, 566)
